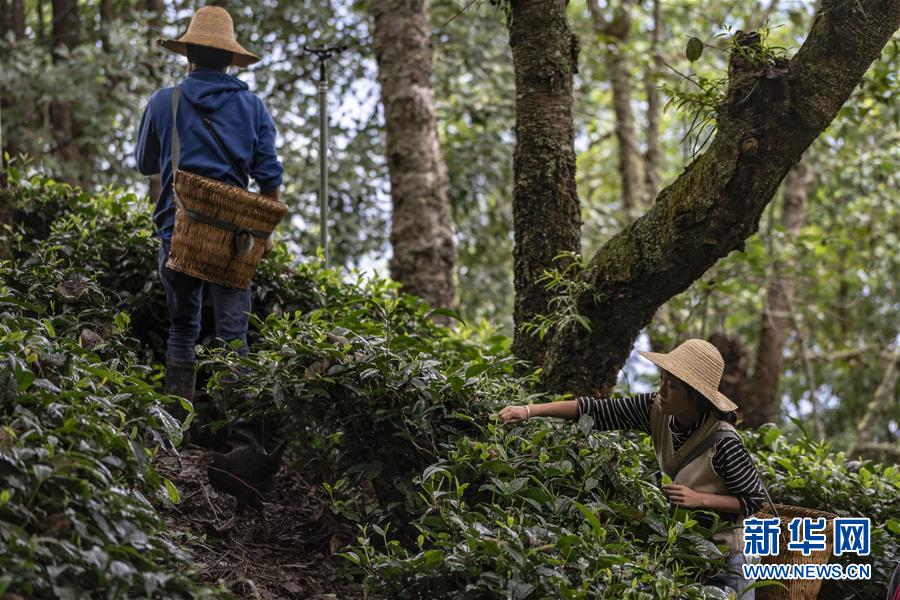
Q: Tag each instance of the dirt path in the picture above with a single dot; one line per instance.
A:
(293, 559)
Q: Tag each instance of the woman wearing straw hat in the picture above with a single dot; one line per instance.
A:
(236, 142)
(690, 424)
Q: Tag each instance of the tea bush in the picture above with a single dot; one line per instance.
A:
(545, 510)
(542, 511)
(390, 408)
(79, 425)
(368, 383)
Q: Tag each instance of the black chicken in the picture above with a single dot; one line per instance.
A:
(245, 473)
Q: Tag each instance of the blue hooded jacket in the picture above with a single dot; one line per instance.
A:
(239, 118)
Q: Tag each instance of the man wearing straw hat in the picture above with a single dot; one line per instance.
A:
(696, 445)
(237, 141)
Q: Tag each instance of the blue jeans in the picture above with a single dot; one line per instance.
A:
(733, 578)
(184, 296)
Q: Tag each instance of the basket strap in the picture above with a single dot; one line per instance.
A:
(768, 497)
(245, 235)
(176, 144)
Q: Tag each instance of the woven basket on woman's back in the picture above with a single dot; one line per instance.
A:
(220, 230)
(797, 589)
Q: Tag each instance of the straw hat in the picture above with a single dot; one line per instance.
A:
(212, 26)
(698, 364)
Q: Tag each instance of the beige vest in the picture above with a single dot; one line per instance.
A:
(698, 474)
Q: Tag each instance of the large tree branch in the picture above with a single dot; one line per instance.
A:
(769, 117)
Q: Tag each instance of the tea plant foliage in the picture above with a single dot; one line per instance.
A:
(389, 412)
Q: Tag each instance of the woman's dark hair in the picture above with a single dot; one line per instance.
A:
(209, 58)
(703, 405)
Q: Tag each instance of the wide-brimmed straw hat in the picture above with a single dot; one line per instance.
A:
(212, 26)
(698, 364)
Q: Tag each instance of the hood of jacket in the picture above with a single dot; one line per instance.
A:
(210, 89)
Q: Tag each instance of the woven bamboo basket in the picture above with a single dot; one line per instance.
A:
(212, 253)
(797, 589)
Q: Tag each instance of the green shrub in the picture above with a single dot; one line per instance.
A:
(388, 407)
(541, 511)
(368, 383)
(79, 425)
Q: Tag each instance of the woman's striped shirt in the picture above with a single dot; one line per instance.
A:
(731, 460)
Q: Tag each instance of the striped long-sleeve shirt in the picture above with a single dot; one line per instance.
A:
(731, 460)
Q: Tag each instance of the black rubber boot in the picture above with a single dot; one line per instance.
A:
(181, 378)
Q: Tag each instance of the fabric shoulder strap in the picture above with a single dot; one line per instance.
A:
(176, 143)
(706, 444)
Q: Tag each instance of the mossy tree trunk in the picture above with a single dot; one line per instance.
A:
(546, 213)
(770, 116)
(424, 259)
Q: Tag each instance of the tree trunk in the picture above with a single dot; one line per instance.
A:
(19, 19)
(769, 117)
(424, 258)
(879, 407)
(106, 17)
(5, 18)
(546, 213)
(42, 37)
(760, 402)
(615, 33)
(652, 158)
(810, 373)
(733, 354)
(65, 34)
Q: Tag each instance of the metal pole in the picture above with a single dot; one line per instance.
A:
(323, 159)
(323, 53)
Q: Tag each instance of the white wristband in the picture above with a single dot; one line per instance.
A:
(528, 410)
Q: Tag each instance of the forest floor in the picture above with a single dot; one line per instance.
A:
(294, 559)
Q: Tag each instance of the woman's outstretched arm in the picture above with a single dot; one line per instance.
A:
(565, 409)
(632, 412)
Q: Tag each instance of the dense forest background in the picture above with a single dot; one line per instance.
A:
(566, 182)
(806, 313)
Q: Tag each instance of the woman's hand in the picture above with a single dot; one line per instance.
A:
(682, 495)
(513, 414)
(268, 249)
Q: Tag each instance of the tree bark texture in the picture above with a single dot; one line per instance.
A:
(13, 18)
(546, 212)
(770, 115)
(5, 18)
(424, 259)
(615, 34)
(65, 34)
(652, 157)
(759, 399)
